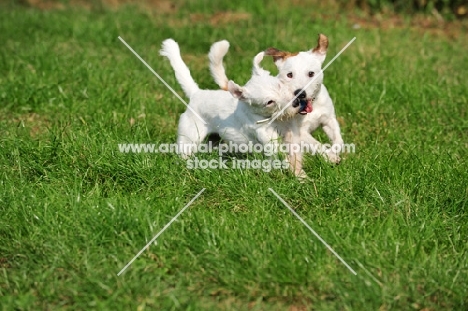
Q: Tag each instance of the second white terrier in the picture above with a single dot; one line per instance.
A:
(233, 113)
(302, 72)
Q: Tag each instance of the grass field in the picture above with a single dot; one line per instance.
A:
(74, 210)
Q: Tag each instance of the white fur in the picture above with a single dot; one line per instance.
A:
(216, 55)
(233, 114)
(294, 72)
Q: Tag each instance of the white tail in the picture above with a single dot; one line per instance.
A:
(171, 50)
(217, 52)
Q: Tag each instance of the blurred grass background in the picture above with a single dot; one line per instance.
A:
(74, 211)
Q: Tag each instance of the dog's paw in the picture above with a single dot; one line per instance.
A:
(332, 157)
(185, 156)
(302, 176)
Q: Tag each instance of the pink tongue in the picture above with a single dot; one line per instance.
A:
(308, 108)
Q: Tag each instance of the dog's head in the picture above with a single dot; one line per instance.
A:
(302, 71)
(266, 94)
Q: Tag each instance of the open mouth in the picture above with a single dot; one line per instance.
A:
(305, 106)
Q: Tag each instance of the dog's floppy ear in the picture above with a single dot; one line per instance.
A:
(321, 49)
(236, 90)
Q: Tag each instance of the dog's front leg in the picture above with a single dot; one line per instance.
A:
(310, 144)
(332, 129)
(295, 155)
(295, 164)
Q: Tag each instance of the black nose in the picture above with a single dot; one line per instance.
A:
(296, 103)
(302, 93)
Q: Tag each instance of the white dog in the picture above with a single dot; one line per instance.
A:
(233, 114)
(301, 72)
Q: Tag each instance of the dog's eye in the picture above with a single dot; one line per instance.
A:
(290, 75)
(270, 102)
(311, 74)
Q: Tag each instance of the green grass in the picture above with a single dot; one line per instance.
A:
(74, 211)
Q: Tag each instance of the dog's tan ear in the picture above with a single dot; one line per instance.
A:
(322, 45)
(277, 54)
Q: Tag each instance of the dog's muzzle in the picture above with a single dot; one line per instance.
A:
(304, 104)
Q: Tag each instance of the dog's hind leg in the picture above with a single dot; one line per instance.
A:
(190, 134)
